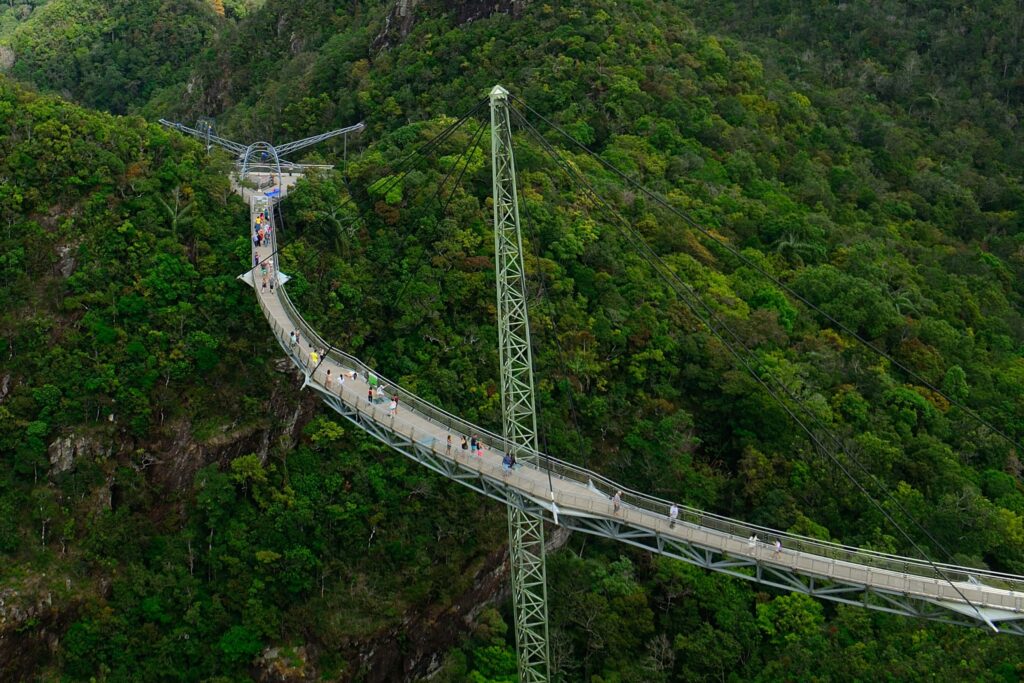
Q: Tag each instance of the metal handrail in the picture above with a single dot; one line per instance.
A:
(633, 499)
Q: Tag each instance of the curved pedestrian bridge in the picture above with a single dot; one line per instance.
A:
(581, 500)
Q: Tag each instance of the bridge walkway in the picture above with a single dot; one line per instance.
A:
(582, 500)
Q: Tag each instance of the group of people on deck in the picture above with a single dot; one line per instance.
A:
(261, 228)
(261, 237)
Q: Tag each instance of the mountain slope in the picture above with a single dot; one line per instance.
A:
(285, 532)
(111, 55)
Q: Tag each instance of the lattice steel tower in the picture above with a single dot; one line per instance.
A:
(518, 409)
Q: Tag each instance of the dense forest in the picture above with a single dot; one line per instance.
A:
(173, 508)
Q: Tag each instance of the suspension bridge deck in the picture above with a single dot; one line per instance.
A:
(581, 500)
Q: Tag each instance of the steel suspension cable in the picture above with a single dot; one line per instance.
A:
(880, 486)
(416, 155)
(558, 342)
(458, 180)
(440, 188)
(657, 198)
(715, 319)
(667, 274)
(465, 156)
(433, 143)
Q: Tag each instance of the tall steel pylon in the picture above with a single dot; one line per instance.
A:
(518, 409)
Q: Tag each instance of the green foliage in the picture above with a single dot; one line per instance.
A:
(113, 55)
(494, 664)
(864, 154)
(240, 644)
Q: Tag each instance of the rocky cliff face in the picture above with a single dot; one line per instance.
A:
(36, 610)
(402, 17)
(424, 638)
(34, 614)
(179, 457)
(414, 648)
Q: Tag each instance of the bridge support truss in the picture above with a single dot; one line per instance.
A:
(518, 409)
(758, 565)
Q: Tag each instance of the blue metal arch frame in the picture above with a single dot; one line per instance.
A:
(261, 147)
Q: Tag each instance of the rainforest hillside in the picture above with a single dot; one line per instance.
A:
(172, 507)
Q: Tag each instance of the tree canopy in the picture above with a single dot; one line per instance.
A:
(193, 512)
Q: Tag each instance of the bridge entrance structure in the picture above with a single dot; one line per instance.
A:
(262, 161)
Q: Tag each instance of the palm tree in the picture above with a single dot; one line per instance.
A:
(902, 301)
(336, 230)
(178, 213)
(792, 248)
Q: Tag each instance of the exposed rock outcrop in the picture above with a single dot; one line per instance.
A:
(181, 456)
(399, 21)
(65, 450)
(66, 261)
(285, 665)
(30, 630)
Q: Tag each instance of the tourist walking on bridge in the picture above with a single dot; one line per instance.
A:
(617, 502)
(673, 515)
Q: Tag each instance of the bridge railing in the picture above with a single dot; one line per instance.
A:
(287, 167)
(656, 508)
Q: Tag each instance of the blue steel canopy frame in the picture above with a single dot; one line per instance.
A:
(204, 131)
(262, 148)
